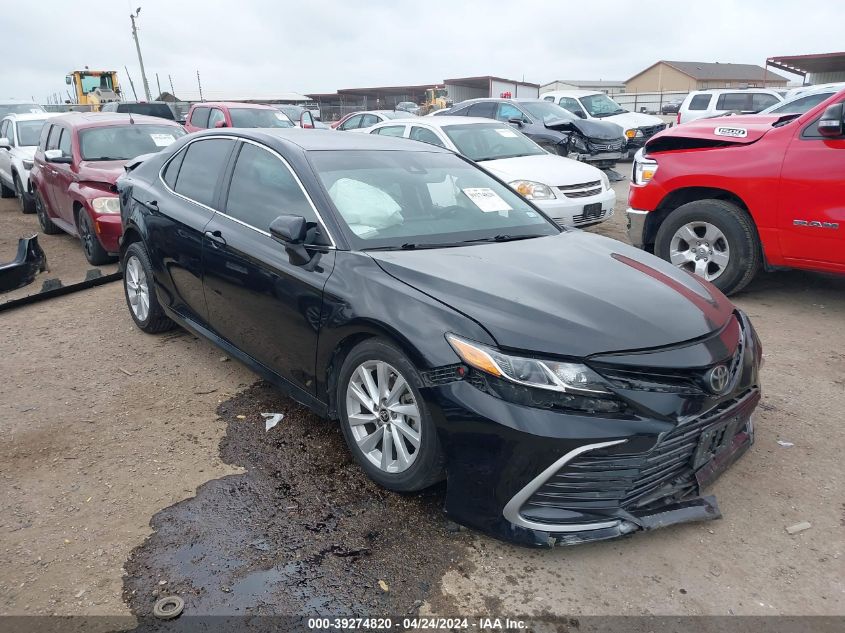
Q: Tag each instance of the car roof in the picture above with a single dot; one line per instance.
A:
(232, 104)
(35, 116)
(82, 120)
(711, 91)
(440, 121)
(320, 140)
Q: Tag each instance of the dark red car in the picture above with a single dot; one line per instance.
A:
(78, 160)
(216, 114)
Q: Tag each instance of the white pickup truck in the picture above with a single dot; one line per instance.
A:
(590, 104)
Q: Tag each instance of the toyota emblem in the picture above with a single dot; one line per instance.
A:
(717, 378)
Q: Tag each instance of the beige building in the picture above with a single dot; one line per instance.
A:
(665, 76)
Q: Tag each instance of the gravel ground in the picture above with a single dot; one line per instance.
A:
(122, 466)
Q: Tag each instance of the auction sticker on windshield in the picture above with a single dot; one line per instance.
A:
(162, 140)
(486, 199)
(505, 132)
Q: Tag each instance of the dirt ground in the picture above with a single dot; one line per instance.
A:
(128, 474)
(65, 260)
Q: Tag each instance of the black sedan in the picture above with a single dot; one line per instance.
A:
(568, 387)
(555, 129)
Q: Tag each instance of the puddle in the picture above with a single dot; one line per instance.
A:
(302, 532)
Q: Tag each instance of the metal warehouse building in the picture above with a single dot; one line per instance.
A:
(823, 68)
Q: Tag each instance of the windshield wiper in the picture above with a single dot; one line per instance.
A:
(502, 238)
(104, 158)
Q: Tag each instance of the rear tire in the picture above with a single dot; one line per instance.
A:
(400, 420)
(139, 290)
(94, 251)
(47, 226)
(713, 239)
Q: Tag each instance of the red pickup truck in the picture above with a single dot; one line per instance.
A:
(723, 197)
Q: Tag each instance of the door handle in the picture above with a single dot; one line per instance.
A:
(216, 237)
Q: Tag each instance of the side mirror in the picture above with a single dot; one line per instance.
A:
(68, 79)
(5, 144)
(832, 122)
(289, 229)
(56, 156)
(219, 124)
(516, 120)
(306, 121)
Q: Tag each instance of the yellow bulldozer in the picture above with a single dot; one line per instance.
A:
(93, 87)
(435, 99)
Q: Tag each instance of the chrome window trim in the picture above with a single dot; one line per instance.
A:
(511, 510)
(241, 222)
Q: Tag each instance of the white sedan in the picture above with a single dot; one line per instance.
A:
(572, 193)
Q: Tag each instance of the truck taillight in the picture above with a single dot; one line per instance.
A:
(678, 119)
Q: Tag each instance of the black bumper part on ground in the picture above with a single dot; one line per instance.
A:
(543, 476)
(29, 261)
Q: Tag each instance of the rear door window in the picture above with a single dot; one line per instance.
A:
(485, 109)
(215, 116)
(202, 168)
(699, 102)
(199, 117)
(426, 136)
(390, 130)
(352, 122)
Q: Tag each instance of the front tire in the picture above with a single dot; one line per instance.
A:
(384, 419)
(713, 239)
(139, 290)
(94, 251)
(26, 199)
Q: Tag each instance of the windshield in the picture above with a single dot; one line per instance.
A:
(20, 108)
(601, 105)
(92, 82)
(122, 142)
(546, 111)
(258, 117)
(489, 141)
(29, 131)
(405, 199)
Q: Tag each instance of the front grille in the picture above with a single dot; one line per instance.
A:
(582, 219)
(652, 130)
(582, 190)
(602, 481)
(580, 186)
(605, 146)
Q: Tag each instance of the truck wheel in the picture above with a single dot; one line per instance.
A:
(713, 239)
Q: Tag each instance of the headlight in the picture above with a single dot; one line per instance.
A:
(644, 170)
(533, 190)
(542, 374)
(27, 164)
(106, 205)
(605, 181)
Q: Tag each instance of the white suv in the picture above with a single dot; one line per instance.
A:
(701, 104)
(19, 134)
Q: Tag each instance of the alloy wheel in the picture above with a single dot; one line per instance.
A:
(384, 416)
(137, 288)
(86, 234)
(700, 248)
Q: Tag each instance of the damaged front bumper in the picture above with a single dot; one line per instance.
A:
(542, 476)
(29, 261)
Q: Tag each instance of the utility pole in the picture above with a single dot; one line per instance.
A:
(158, 83)
(172, 90)
(199, 85)
(132, 17)
(131, 83)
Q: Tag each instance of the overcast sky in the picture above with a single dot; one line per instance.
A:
(256, 47)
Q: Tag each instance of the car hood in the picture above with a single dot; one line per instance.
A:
(107, 171)
(628, 120)
(573, 294)
(544, 168)
(725, 130)
(591, 129)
